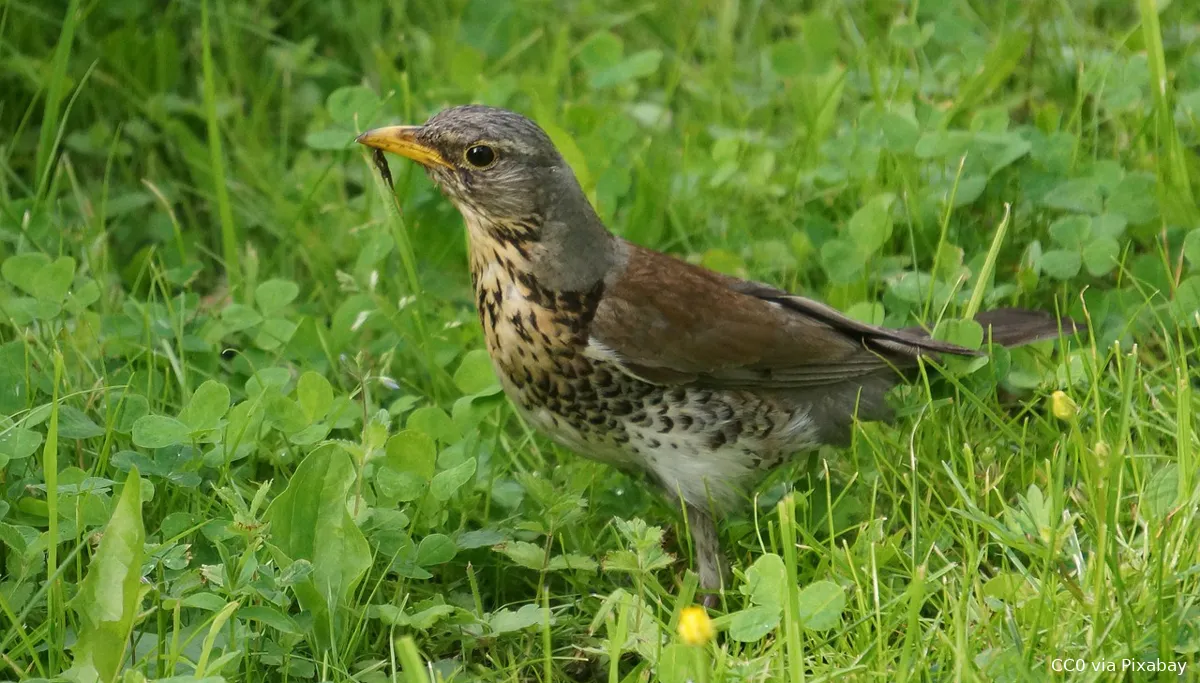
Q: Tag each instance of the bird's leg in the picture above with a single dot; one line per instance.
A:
(707, 545)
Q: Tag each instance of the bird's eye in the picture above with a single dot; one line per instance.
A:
(480, 156)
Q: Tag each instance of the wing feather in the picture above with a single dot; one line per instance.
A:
(748, 335)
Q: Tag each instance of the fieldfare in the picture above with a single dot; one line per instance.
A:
(702, 381)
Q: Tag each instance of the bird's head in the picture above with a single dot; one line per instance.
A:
(508, 180)
(492, 163)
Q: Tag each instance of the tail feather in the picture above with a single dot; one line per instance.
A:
(1019, 326)
(1009, 327)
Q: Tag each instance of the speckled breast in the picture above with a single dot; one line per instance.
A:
(699, 443)
(536, 338)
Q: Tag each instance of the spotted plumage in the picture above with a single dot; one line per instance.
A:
(702, 381)
(572, 387)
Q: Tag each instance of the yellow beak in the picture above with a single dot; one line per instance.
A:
(402, 140)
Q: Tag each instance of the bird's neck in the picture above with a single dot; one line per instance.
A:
(528, 325)
(565, 246)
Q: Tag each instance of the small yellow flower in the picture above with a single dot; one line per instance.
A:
(1062, 406)
(695, 628)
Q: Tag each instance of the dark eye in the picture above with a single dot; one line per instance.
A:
(480, 156)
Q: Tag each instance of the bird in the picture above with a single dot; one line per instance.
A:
(700, 381)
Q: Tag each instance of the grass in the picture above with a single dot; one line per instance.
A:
(247, 431)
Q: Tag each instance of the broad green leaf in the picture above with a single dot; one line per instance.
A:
(273, 295)
(433, 421)
(943, 144)
(789, 58)
(1100, 255)
(274, 332)
(523, 553)
(239, 317)
(1081, 195)
(1109, 225)
(133, 408)
(209, 602)
(1135, 198)
(1108, 173)
(678, 664)
(1007, 155)
(23, 310)
(966, 333)
(413, 452)
(1071, 232)
(208, 405)
(842, 261)
(751, 624)
(633, 67)
(766, 581)
(314, 394)
(272, 617)
(970, 187)
(243, 421)
(1185, 307)
(426, 618)
(435, 549)
(353, 106)
(17, 443)
(373, 250)
(84, 296)
(73, 423)
(399, 487)
(310, 434)
(478, 538)
(871, 226)
(1061, 264)
(309, 521)
(445, 483)
(108, 598)
(283, 413)
(723, 261)
(54, 281)
(159, 431)
(821, 605)
(600, 51)
(507, 620)
(1191, 248)
(330, 139)
(468, 411)
(22, 270)
(572, 562)
(869, 312)
(475, 374)
(295, 573)
(1162, 493)
(422, 620)
(277, 378)
(916, 288)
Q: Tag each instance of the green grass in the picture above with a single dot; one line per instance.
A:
(247, 431)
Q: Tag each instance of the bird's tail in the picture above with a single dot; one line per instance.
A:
(1019, 326)
(1003, 327)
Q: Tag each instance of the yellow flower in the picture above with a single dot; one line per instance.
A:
(1062, 406)
(695, 628)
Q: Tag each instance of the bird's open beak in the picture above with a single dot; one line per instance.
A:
(402, 140)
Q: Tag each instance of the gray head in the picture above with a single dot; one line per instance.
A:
(508, 180)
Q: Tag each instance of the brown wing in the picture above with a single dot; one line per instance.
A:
(671, 322)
